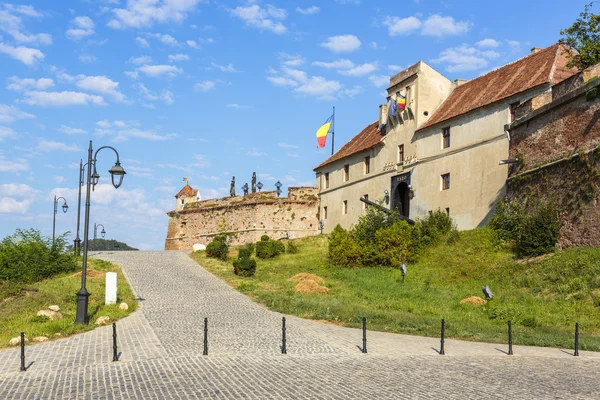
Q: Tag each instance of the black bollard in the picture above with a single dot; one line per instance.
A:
(364, 348)
(576, 339)
(442, 352)
(115, 349)
(205, 352)
(283, 347)
(510, 351)
(23, 352)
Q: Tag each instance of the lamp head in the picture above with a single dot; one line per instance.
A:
(103, 233)
(119, 172)
(65, 207)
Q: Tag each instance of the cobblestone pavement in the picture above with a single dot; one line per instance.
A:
(161, 346)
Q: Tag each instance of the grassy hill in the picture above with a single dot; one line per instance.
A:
(543, 298)
(112, 245)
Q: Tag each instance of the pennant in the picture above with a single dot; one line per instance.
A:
(401, 100)
(324, 131)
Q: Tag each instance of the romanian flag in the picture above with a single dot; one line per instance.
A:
(401, 100)
(323, 131)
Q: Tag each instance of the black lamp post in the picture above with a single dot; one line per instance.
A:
(65, 207)
(259, 186)
(103, 232)
(278, 185)
(92, 180)
(77, 241)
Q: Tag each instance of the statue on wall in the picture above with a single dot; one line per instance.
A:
(254, 182)
(245, 188)
(232, 187)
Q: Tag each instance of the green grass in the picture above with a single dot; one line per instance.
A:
(543, 298)
(21, 303)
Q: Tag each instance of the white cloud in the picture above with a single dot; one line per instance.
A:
(158, 70)
(6, 132)
(287, 145)
(132, 74)
(514, 45)
(166, 39)
(308, 10)
(178, 57)
(167, 96)
(349, 93)
(205, 86)
(464, 58)
(58, 179)
(262, 18)
(48, 146)
(17, 190)
(282, 81)
(71, 131)
(19, 84)
(401, 26)
(101, 84)
(105, 124)
(338, 64)
(15, 166)
(200, 161)
(193, 44)
(207, 40)
(87, 58)
(9, 205)
(319, 87)
(82, 27)
(395, 68)
(13, 25)
(380, 80)
(360, 70)
(146, 13)
(123, 134)
(436, 25)
(140, 60)
(61, 99)
(343, 43)
(25, 10)
(489, 43)
(11, 113)
(295, 74)
(291, 60)
(142, 42)
(26, 55)
(253, 152)
(225, 68)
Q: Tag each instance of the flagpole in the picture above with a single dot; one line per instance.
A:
(333, 130)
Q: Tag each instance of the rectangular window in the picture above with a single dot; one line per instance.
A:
(324, 212)
(367, 165)
(446, 138)
(365, 205)
(448, 211)
(346, 172)
(345, 207)
(513, 110)
(445, 181)
(326, 180)
(400, 153)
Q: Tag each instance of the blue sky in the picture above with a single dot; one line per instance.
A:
(211, 89)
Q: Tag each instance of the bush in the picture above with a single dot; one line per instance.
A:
(292, 248)
(244, 253)
(265, 238)
(278, 247)
(343, 250)
(27, 256)
(218, 248)
(373, 220)
(244, 266)
(269, 248)
(508, 220)
(539, 233)
(250, 247)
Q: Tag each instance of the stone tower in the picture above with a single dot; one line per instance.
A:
(185, 196)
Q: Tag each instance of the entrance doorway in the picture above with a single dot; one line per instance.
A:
(401, 200)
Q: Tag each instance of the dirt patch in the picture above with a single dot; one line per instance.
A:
(303, 276)
(90, 273)
(31, 293)
(310, 287)
(269, 288)
(474, 300)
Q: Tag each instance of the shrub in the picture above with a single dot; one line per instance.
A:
(218, 248)
(373, 220)
(250, 247)
(244, 253)
(269, 248)
(395, 244)
(265, 238)
(244, 266)
(539, 233)
(292, 248)
(27, 256)
(508, 220)
(278, 247)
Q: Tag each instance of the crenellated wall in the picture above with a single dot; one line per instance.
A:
(247, 217)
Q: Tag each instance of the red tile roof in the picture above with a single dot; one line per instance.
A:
(366, 139)
(545, 66)
(187, 191)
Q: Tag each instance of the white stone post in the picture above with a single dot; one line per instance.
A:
(111, 288)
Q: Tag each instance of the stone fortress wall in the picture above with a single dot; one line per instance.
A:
(247, 217)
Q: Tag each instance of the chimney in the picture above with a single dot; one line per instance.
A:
(383, 111)
(458, 81)
(536, 50)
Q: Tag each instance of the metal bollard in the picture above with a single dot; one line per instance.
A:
(115, 349)
(283, 345)
(576, 339)
(364, 348)
(23, 352)
(510, 350)
(205, 352)
(442, 352)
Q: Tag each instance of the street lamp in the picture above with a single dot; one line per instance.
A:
(92, 180)
(278, 185)
(77, 241)
(259, 186)
(96, 232)
(65, 207)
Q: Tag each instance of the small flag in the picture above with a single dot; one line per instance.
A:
(392, 107)
(401, 101)
(324, 131)
(185, 179)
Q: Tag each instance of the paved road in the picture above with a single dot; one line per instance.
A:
(161, 347)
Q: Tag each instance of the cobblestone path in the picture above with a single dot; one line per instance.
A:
(161, 346)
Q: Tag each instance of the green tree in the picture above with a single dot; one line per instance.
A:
(583, 36)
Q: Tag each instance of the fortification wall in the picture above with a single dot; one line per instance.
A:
(247, 217)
